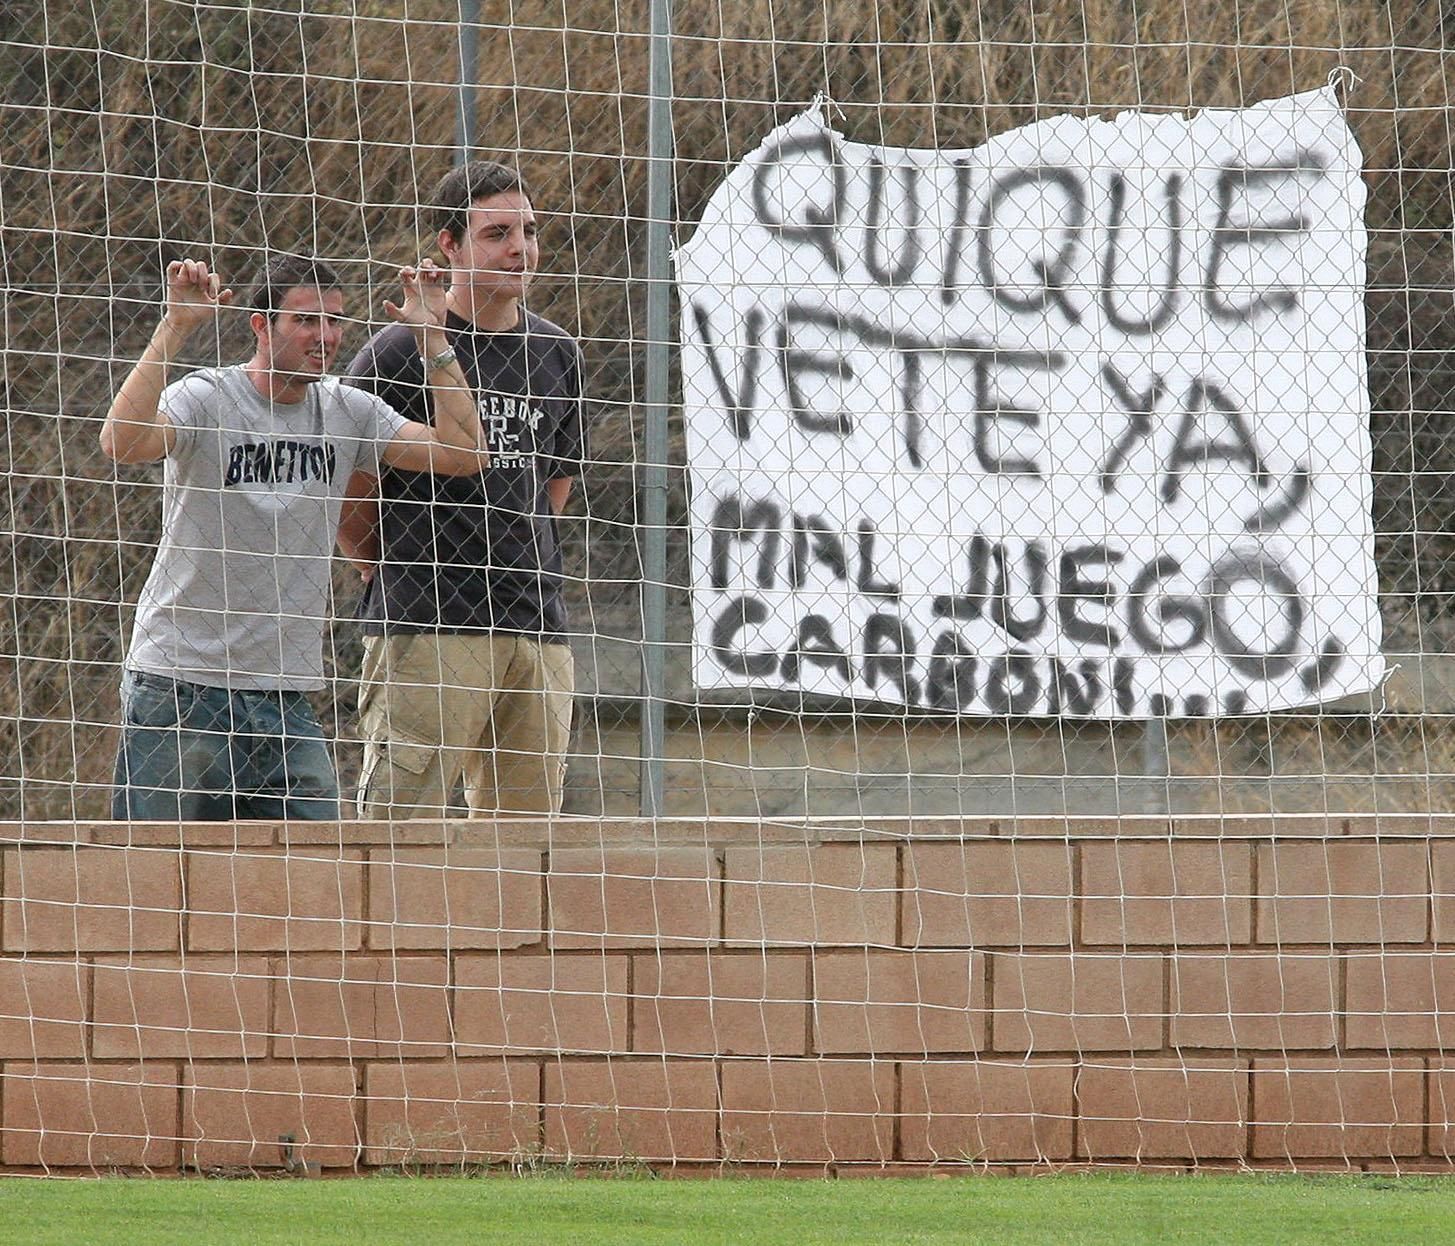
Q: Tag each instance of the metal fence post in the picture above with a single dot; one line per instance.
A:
(469, 58)
(1156, 766)
(660, 200)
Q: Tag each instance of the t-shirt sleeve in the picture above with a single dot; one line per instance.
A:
(389, 367)
(191, 407)
(378, 424)
(567, 456)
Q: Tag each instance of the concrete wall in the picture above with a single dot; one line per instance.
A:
(1163, 992)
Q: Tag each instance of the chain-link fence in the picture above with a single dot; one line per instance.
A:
(134, 134)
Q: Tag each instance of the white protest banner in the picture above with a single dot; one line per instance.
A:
(1072, 423)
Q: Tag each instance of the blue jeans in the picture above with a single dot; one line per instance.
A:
(194, 753)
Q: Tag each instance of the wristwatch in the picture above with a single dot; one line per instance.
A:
(442, 360)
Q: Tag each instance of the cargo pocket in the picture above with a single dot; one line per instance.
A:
(413, 758)
(394, 774)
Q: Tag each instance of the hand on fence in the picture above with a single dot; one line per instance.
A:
(424, 296)
(194, 294)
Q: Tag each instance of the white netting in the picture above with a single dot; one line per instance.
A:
(954, 530)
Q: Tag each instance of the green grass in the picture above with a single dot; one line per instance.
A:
(1113, 1209)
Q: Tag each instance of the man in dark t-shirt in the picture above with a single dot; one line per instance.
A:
(467, 668)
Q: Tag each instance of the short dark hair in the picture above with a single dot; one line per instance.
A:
(282, 273)
(463, 185)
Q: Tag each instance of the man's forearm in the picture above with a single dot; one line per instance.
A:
(558, 492)
(134, 431)
(358, 531)
(456, 417)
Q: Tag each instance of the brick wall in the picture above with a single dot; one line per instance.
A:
(1201, 991)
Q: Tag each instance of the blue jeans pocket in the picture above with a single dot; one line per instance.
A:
(149, 700)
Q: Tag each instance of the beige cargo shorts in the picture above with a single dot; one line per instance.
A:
(494, 707)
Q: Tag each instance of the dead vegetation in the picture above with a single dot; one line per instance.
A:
(135, 132)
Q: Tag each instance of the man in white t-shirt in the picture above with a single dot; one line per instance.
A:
(228, 639)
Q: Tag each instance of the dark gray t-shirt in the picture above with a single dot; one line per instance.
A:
(238, 594)
(478, 553)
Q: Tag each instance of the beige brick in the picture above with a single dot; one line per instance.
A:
(457, 898)
(43, 1008)
(1170, 893)
(835, 893)
(808, 1111)
(451, 1112)
(1284, 1002)
(96, 1116)
(1343, 1108)
(987, 893)
(1158, 1109)
(1341, 891)
(437, 834)
(882, 1001)
(1400, 1000)
(668, 897)
(658, 1110)
(1441, 1115)
(1078, 1003)
(1442, 866)
(225, 835)
(92, 899)
(723, 1003)
(1073, 826)
(988, 1111)
(197, 1007)
(274, 902)
(541, 1004)
(236, 1115)
(362, 1006)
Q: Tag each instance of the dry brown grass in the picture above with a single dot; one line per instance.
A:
(135, 130)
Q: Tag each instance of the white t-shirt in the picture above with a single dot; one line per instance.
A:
(238, 596)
